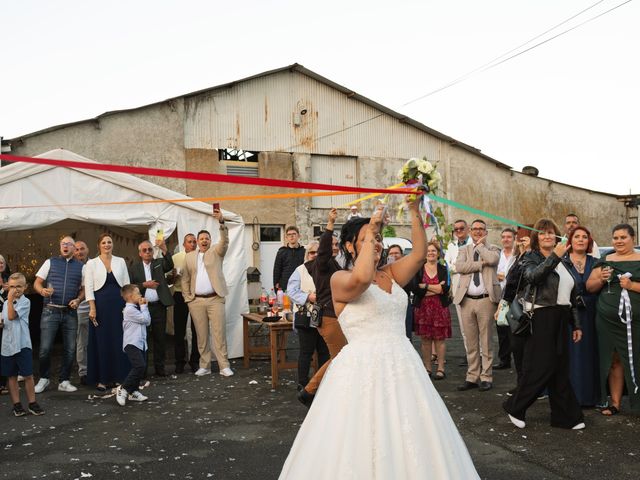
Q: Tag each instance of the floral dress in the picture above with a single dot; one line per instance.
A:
(430, 318)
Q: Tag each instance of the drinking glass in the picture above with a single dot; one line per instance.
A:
(610, 270)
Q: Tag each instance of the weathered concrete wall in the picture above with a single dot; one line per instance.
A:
(524, 198)
(149, 137)
(270, 165)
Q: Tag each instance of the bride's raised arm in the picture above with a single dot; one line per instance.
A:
(346, 285)
(404, 269)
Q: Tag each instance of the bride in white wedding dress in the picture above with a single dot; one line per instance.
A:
(376, 414)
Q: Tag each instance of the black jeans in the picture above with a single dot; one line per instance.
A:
(180, 315)
(310, 341)
(157, 334)
(138, 365)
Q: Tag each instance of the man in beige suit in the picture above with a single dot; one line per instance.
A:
(204, 289)
(478, 294)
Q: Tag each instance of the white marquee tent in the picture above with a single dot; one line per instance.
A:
(30, 184)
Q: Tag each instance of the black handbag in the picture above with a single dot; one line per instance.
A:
(518, 316)
(301, 318)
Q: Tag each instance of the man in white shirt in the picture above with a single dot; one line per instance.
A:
(507, 258)
(353, 213)
(478, 294)
(204, 289)
(460, 239)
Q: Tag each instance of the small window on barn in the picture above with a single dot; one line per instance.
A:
(243, 163)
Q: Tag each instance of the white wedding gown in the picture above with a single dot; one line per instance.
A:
(376, 414)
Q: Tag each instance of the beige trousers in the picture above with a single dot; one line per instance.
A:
(479, 326)
(207, 315)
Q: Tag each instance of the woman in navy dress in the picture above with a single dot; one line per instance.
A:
(583, 356)
(107, 364)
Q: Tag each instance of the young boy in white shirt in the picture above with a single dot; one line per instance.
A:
(16, 351)
(136, 319)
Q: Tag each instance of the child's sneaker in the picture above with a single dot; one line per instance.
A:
(121, 396)
(137, 397)
(67, 387)
(35, 409)
(18, 410)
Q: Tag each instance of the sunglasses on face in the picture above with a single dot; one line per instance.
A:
(146, 249)
(459, 229)
(313, 252)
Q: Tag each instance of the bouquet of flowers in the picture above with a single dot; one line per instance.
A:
(422, 174)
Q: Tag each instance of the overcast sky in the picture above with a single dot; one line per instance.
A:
(569, 107)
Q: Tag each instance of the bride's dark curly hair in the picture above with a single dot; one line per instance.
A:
(349, 233)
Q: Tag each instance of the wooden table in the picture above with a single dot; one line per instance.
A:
(278, 332)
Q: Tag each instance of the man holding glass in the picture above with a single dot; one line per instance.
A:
(62, 295)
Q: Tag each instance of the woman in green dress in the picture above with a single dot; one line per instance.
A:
(619, 334)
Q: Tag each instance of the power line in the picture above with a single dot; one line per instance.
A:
(484, 66)
(559, 34)
(487, 66)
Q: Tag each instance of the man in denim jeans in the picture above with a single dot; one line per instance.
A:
(62, 295)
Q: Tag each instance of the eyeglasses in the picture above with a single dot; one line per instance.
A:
(67, 244)
(146, 249)
(459, 229)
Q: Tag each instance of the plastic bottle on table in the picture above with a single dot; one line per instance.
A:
(272, 297)
(280, 298)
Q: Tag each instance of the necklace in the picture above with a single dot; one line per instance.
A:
(579, 263)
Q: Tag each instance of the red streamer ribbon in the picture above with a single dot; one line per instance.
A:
(202, 176)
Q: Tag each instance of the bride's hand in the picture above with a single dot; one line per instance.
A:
(413, 205)
(376, 219)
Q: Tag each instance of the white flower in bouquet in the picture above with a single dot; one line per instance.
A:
(425, 166)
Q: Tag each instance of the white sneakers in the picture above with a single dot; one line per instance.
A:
(121, 396)
(579, 426)
(66, 387)
(42, 385)
(137, 397)
(516, 422)
(225, 372)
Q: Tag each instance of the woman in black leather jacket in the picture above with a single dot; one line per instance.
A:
(545, 363)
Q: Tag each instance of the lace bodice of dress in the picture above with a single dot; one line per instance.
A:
(375, 313)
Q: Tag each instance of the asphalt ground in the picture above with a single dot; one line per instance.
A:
(239, 428)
